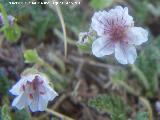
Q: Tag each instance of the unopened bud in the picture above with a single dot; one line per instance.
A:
(10, 19)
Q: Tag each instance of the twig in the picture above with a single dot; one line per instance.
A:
(6, 62)
(79, 68)
(60, 100)
(91, 62)
(88, 112)
(78, 74)
(74, 93)
(59, 114)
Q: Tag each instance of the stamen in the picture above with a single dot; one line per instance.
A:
(31, 96)
(23, 87)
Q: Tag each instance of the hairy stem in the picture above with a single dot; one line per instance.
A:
(59, 12)
(141, 75)
(148, 106)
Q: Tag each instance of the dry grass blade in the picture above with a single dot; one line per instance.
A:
(59, 12)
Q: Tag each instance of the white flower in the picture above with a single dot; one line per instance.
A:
(117, 34)
(33, 91)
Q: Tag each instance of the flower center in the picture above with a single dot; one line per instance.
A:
(117, 33)
(36, 87)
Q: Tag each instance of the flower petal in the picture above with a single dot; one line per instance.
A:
(16, 89)
(102, 46)
(20, 101)
(99, 22)
(43, 78)
(120, 16)
(36, 92)
(34, 105)
(125, 53)
(102, 21)
(137, 35)
(51, 94)
(128, 20)
(39, 103)
(43, 101)
(30, 78)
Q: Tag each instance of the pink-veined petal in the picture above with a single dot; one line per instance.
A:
(102, 46)
(44, 78)
(99, 22)
(43, 101)
(125, 53)
(35, 92)
(17, 88)
(34, 104)
(120, 16)
(137, 35)
(51, 93)
(20, 101)
(129, 19)
(39, 103)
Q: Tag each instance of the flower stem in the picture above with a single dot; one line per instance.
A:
(63, 28)
(129, 89)
(64, 117)
(59, 13)
(141, 75)
(148, 106)
(49, 69)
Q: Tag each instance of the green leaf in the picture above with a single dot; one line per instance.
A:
(77, 21)
(84, 47)
(43, 24)
(100, 4)
(22, 115)
(147, 57)
(12, 34)
(112, 104)
(54, 118)
(119, 76)
(142, 116)
(31, 56)
(5, 115)
(4, 82)
(14, 9)
(85, 43)
(141, 13)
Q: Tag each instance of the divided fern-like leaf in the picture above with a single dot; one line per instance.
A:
(142, 116)
(147, 62)
(22, 115)
(112, 104)
(4, 82)
(5, 115)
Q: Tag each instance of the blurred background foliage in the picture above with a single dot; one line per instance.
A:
(90, 88)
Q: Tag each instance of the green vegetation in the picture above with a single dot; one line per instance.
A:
(102, 86)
